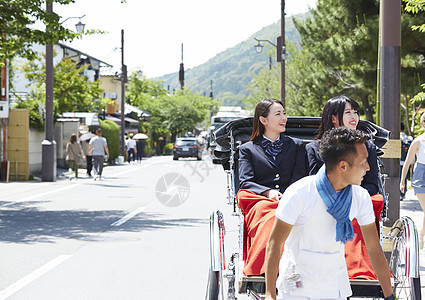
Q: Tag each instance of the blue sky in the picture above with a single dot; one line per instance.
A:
(155, 29)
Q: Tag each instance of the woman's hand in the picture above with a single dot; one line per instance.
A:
(272, 194)
(402, 187)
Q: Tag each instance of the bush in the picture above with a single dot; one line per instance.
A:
(148, 149)
(168, 149)
(111, 131)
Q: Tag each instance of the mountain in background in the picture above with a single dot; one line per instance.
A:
(233, 69)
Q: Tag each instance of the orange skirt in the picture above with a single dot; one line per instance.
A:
(259, 215)
(356, 256)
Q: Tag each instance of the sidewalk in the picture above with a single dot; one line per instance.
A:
(410, 207)
(63, 174)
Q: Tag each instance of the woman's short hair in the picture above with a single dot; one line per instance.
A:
(262, 110)
(334, 107)
(73, 138)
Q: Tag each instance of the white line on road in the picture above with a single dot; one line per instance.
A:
(128, 216)
(13, 288)
(68, 187)
(41, 194)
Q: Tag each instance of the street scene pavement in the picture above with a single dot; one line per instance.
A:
(140, 233)
(410, 207)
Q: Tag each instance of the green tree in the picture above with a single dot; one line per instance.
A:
(141, 91)
(183, 110)
(73, 92)
(18, 33)
(170, 114)
(339, 46)
(417, 9)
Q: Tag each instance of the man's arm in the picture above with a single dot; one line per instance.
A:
(377, 258)
(278, 236)
(106, 150)
(90, 150)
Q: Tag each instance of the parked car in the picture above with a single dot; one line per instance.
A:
(187, 147)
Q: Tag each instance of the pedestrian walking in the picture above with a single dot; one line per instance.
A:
(418, 179)
(74, 155)
(313, 219)
(89, 159)
(140, 145)
(406, 141)
(98, 150)
(131, 148)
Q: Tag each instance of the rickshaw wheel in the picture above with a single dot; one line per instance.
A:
(405, 287)
(213, 285)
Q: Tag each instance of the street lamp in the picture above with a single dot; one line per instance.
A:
(259, 49)
(280, 50)
(48, 146)
(281, 53)
(79, 26)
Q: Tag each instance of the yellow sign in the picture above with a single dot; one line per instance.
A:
(392, 149)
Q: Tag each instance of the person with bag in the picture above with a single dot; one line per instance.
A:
(74, 155)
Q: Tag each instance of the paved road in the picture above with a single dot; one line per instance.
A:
(114, 239)
(111, 239)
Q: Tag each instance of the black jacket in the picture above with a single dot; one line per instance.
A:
(370, 180)
(259, 172)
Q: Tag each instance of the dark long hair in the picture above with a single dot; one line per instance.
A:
(262, 110)
(334, 107)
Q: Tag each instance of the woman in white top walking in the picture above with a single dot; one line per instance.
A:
(418, 180)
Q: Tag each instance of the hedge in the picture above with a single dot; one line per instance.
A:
(168, 149)
(111, 131)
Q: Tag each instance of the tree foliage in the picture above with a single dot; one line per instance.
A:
(170, 113)
(19, 27)
(72, 91)
(339, 52)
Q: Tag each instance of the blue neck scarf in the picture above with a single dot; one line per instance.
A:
(339, 205)
(272, 148)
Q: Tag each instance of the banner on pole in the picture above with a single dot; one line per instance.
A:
(4, 103)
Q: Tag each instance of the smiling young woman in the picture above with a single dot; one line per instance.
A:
(268, 164)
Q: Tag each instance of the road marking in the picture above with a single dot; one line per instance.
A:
(41, 194)
(68, 187)
(20, 284)
(128, 217)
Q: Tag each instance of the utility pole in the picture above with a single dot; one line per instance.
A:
(4, 115)
(48, 146)
(181, 72)
(283, 54)
(123, 81)
(211, 91)
(390, 98)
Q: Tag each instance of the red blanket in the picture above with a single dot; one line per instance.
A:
(356, 257)
(259, 214)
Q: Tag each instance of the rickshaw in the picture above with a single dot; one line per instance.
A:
(226, 280)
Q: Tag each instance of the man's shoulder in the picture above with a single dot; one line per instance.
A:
(360, 191)
(303, 185)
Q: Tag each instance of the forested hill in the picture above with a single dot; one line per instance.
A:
(232, 70)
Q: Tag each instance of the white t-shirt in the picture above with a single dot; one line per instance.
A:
(297, 204)
(131, 144)
(311, 249)
(98, 144)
